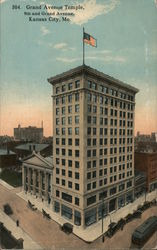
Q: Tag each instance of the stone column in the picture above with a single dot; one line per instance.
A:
(29, 179)
(24, 178)
(46, 186)
(40, 188)
(34, 181)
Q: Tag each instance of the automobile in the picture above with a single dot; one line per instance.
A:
(67, 228)
(7, 209)
(137, 214)
(128, 218)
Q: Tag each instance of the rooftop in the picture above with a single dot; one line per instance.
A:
(93, 72)
(27, 146)
(6, 152)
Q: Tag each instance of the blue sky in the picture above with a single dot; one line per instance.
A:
(31, 52)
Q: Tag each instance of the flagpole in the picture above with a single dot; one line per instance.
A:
(83, 48)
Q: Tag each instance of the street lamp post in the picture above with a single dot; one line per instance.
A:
(102, 218)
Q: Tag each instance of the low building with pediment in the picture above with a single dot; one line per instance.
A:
(37, 176)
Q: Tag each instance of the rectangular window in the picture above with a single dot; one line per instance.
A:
(66, 197)
(57, 100)
(63, 110)
(69, 109)
(57, 111)
(63, 100)
(77, 187)
(69, 131)
(77, 201)
(76, 131)
(77, 164)
(77, 108)
(91, 200)
(57, 90)
(89, 97)
(70, 120)
(77, 119)
(77, 142)
(76, 97)
(69, 98)
(69, 184)
(77, 84)
(70, 86)
(77, 153)
(77, 175)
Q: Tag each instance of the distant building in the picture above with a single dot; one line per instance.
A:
(37, 176)
(145, 138)
(147, 162)
(26, 149)
(30, 133)
(7, 158)
(140, 183)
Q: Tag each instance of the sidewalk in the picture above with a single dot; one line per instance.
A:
(17, 232)
(94, 231)
(5, 184)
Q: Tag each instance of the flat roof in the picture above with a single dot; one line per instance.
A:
(6, 152)
(38, 147)
(93, 72)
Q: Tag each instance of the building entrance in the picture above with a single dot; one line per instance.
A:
(112, 205)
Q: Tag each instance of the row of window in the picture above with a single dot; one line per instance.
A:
(106, 101)
(69, 173)
(94, 86)
(68, 141)
(70, 86)
(69, 183)
(68, 197)
(63, 120)
(63, 130)
(69, 162)
(90, 164)
(112, 191)
(94, 98)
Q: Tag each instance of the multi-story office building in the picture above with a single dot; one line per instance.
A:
(29, 133)
(93, 144)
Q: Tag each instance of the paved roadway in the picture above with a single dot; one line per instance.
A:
(48, 235)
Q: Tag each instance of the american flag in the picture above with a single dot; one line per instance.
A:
(89, 40)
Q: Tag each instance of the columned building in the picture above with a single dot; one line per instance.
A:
(37, 177)
(93, 144)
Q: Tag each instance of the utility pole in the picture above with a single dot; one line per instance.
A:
(102, 218)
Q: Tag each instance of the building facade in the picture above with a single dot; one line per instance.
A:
(29, 133)
(147, 162)
(37, 177)
(93, 144)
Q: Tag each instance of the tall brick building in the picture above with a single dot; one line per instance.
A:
(147, 162)
(93, 144)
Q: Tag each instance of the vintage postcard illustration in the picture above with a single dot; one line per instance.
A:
(78, 124)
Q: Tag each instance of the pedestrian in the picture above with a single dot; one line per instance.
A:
(17, 223)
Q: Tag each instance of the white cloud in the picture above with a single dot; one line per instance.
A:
(63, 47)
(91, 10)
(44, 31)
(106, 59)
(67, 60)
(60, 46)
